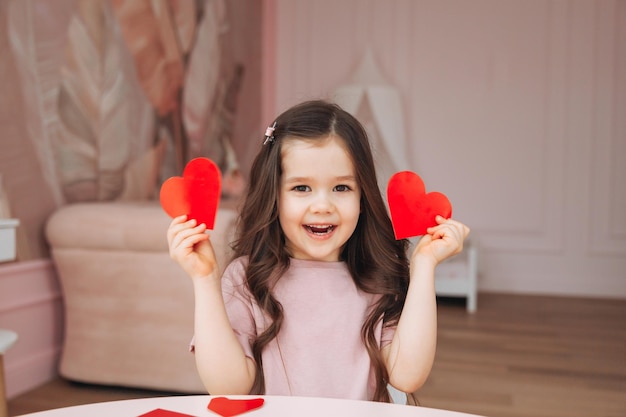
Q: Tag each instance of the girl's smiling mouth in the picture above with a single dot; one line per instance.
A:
(319, 229)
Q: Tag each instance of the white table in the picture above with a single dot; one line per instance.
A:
(275, 406)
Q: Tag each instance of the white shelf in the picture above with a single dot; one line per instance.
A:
(457, 277)
(7, 239)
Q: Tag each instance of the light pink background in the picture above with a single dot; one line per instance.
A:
(514, 109)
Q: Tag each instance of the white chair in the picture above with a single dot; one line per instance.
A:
(458, 276)
(7, 339)
(397, 396)
(400, 397)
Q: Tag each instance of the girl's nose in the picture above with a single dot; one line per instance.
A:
(322, 203)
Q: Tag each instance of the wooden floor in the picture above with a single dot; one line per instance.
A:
(517, 356)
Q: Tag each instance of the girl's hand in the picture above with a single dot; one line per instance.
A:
(191, 247)
(441, 241)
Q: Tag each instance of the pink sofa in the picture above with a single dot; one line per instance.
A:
(128, 305)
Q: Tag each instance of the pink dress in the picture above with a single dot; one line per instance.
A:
(319, 351)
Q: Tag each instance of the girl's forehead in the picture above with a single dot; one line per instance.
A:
(316, 155)
(302, 144)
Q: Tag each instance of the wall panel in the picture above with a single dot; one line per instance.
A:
(607, 205)
(515, 109)
(31, 305)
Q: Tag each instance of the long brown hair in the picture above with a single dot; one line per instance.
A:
(376, 260)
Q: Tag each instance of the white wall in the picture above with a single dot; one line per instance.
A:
(516, 109)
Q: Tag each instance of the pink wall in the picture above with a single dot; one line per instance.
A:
(31, 305)
(268, 79)
(514, 109)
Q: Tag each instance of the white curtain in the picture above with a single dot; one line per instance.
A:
(378, 106)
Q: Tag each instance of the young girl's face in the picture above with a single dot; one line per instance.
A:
(319, 200)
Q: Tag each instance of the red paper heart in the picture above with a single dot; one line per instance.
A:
(412, 210)
(160, 412)
(227, 407)
(196, 193)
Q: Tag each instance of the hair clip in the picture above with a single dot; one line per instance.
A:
(269, 134)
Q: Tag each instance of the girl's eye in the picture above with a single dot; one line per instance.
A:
(301, 188)
(342, 188)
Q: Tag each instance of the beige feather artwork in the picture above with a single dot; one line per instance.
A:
(37, 32)
(209, 107)
(158, 34)
(95, 135)
(203, 71)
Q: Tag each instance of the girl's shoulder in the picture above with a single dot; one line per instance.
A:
(238, 263)
(235, 271)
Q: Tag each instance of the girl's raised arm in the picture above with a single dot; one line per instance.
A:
(410, 355)
(222, 364)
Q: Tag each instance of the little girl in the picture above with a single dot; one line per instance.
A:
(320, 299)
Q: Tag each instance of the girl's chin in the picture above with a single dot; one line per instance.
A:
(320, 257)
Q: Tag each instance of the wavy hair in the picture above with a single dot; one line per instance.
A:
(376, 260)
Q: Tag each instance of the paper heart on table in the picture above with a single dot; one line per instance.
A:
(159, 412)
(196, 193)
(413, 210)
(227, 407)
